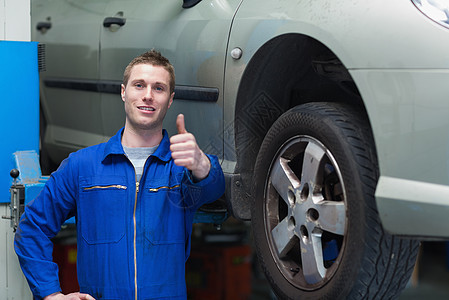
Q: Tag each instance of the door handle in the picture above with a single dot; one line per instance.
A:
(109, 21)
(43, 26)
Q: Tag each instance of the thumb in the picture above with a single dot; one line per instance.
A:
(180, 124)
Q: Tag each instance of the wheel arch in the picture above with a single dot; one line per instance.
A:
(288, 70)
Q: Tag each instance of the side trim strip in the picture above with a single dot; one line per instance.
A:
(182, 92)
(106, 86)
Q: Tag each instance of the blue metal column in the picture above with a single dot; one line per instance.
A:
(19, 106)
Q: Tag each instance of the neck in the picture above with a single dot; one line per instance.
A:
(141, 138)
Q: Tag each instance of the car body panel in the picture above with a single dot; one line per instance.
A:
(409, 111)
(362, 34)
(413, 208)
(72, 43)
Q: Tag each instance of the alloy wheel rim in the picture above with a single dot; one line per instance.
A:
(305, 212)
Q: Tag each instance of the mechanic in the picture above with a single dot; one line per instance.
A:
(134, 199)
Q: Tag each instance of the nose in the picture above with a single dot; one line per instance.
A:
(148, 95)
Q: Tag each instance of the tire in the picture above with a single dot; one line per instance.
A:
(314, 218)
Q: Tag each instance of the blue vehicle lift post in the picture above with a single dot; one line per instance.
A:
(19, 117)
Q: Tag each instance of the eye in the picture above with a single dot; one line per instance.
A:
(138, 85)
(159, 88)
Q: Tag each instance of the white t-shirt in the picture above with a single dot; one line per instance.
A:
(138, 157)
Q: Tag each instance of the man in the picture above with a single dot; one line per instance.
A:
(134, 200)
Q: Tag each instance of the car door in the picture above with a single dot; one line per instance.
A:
(193, 39)
(70, 30)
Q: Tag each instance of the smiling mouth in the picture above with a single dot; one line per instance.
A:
(146, 108)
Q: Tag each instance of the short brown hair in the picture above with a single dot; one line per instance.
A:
(154, 58)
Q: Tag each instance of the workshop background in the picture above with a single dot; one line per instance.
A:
(222, 265)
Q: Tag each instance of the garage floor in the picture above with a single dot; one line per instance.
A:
(430, 281)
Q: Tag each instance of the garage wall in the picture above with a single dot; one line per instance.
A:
(15, 20)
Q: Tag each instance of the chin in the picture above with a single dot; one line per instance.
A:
(149, 127)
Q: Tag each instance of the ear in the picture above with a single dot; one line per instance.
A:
(123, 92)
(171, 99)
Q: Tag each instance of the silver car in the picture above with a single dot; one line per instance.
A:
(331, 120)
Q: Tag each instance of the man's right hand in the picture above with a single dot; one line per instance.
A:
(72, 296)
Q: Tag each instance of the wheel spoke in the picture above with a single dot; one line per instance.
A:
(312, 258)
(332, 216)
(313, 156)
(283, 237)
(283, 179)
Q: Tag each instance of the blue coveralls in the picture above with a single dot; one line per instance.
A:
(132, 237)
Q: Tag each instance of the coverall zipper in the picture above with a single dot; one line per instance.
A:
(135, 225)
(135, 233)
(117, 186)
(164, 187)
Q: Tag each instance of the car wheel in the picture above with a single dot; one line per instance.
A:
(314, 217)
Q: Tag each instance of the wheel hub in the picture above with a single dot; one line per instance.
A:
(302, 214)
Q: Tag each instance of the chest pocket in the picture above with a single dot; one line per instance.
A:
(164, 213)
(102, 205)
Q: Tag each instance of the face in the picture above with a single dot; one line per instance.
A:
(147, 97)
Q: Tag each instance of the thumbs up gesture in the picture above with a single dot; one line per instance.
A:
(186, 153)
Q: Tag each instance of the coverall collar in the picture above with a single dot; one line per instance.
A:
(114, 146)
